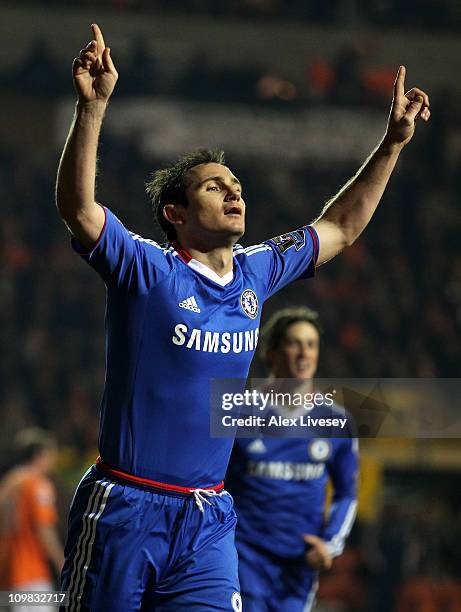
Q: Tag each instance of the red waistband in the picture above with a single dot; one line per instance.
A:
(152, 483)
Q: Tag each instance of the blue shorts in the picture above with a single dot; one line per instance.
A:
(135, 549)
(272, 584)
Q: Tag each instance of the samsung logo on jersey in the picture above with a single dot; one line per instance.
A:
(286, 470)
(215, 342)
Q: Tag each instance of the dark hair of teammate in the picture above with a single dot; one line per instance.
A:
(273, 332)
(168, 185)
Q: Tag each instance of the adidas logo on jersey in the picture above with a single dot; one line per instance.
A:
(257, 446)
(190, 303)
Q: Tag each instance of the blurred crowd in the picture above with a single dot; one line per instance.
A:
(351, 77)
(406, 560)
(414, 13)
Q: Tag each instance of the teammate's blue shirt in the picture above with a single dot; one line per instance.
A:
(279, 490)
(171, 326)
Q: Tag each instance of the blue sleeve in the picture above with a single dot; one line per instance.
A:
(124, 259)
(343, 470)
(285, 258)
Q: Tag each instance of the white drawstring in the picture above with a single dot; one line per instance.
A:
(199, 496)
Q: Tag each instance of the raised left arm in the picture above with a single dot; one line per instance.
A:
(345, 216)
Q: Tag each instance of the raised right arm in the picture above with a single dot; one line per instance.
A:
(94, 80)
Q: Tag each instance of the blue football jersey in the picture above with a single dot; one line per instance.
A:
(279, 490)
(172, 325)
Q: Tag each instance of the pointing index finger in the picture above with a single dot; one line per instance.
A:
(97, 35)
(399, 85)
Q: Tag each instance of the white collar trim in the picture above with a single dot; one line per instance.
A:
(198, 266)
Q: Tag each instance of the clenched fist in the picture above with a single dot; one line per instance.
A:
(317, 556)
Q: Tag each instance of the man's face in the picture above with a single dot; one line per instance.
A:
(215, 204)
(298, 353)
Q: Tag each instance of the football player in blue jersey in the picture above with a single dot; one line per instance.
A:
(279, 484)
(150, 524)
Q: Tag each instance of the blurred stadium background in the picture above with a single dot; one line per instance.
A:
(297, 93)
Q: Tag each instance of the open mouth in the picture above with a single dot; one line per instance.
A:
(235, 210)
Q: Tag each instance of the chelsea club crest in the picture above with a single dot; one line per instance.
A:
(319, 450)
(249, 303)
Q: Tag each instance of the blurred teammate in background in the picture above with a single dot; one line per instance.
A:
(279, 484)
(29, 541)
(150, 524)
